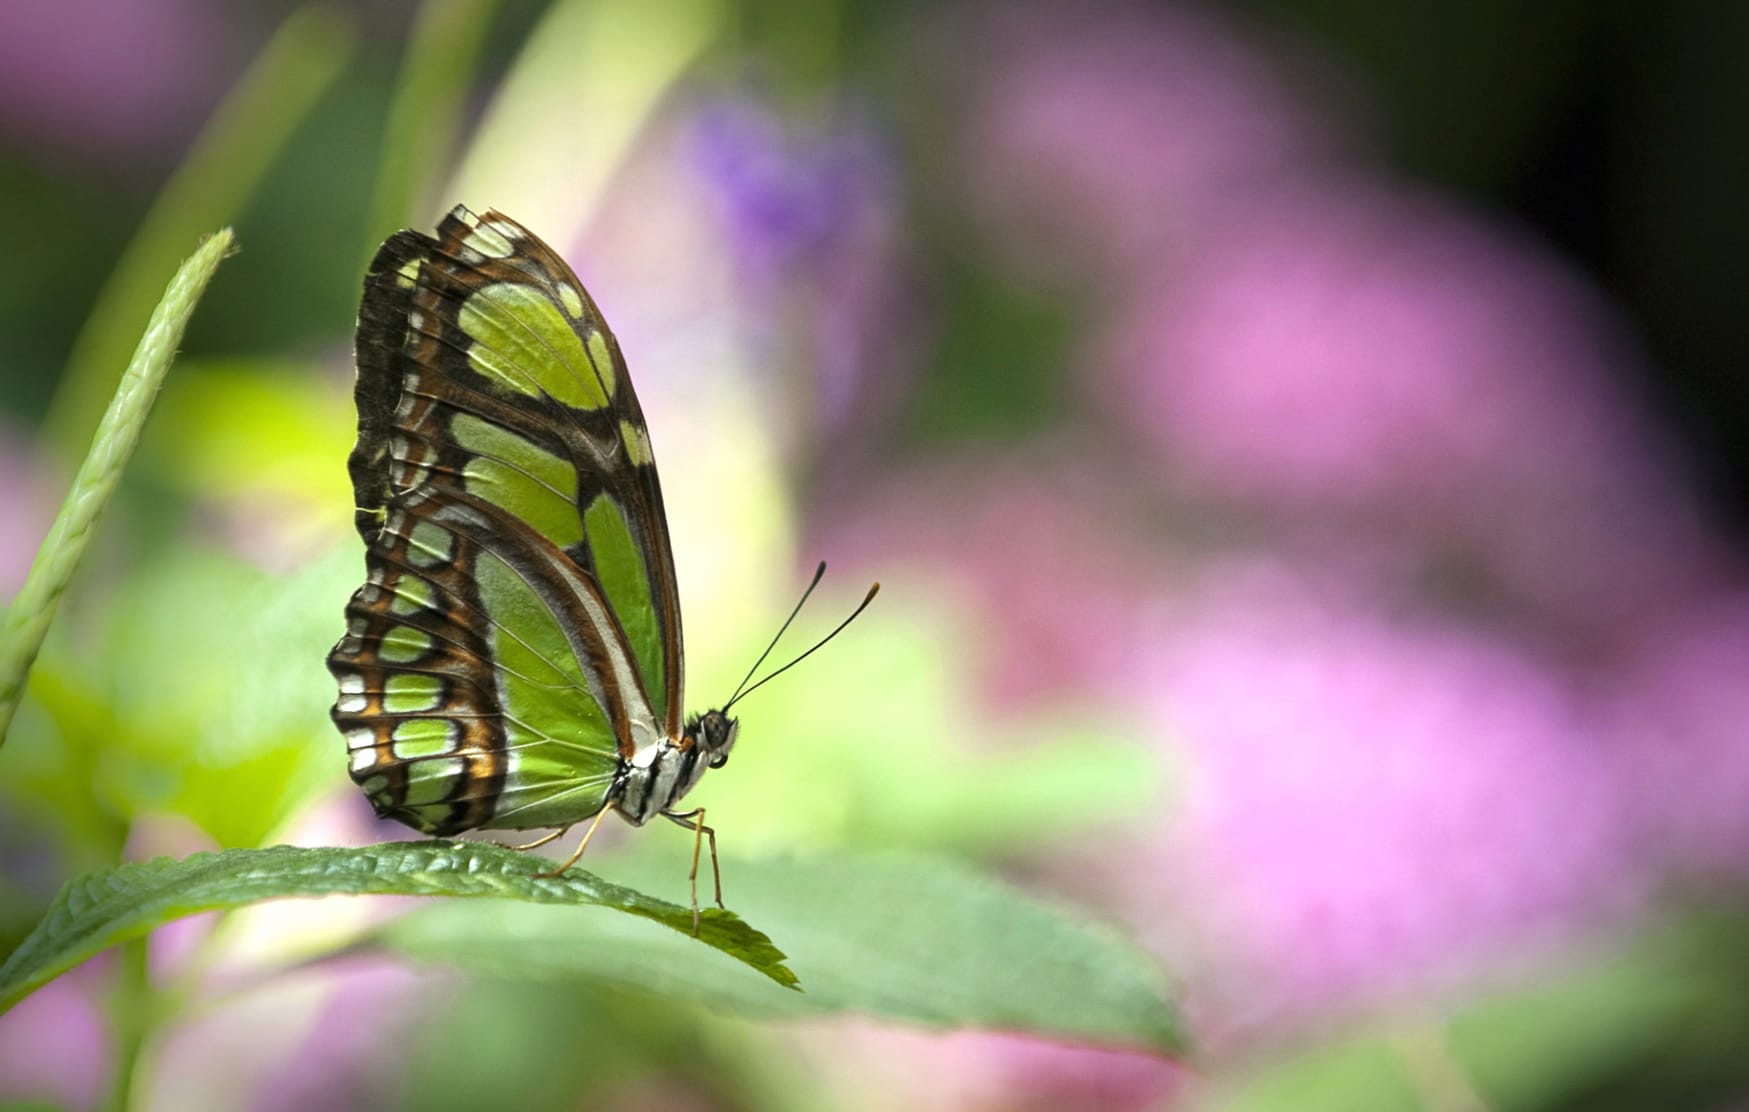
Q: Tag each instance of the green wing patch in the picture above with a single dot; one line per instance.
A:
(521, 343)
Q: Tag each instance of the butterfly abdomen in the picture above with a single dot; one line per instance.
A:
(675, 768)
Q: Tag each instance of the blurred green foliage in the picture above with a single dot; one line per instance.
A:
(185, 685)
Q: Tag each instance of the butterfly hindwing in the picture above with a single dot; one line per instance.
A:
(518, 637)
(420, 717)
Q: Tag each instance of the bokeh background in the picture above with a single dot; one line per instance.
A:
(1302, 445)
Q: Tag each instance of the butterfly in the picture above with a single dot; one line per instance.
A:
(513, 660)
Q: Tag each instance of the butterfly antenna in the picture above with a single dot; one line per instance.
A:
(818, 573)
(863, 605)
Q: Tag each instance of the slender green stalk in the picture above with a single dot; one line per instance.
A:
(589, 79)
(34, 608)
(132, 1017)
(423, 117)
(235, 149)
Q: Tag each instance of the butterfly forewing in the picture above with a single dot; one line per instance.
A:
(518, 636)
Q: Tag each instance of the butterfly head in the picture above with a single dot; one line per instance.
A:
(714, 733)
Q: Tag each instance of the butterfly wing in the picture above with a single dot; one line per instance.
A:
(517, 638)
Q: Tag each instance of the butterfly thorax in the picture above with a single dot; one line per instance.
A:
(655, 780)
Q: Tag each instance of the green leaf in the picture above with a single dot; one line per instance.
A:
(145, 713)
(27, 622)
(437, 71)
(903, 938)
(637, 52)
(102, 909)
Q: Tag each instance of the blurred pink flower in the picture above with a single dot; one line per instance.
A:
(111, 77)
(1386, 360)
(1684, 698)
(1373, 804)
(55, 1044)
(27, 507)
(1121, 128)
(265, 1039)
(348, 1056)
(869, 1066)
(1043, 551)
(322, 1038)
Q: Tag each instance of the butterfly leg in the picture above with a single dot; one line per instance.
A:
(695, 819)
(581, 846)
(539, 842)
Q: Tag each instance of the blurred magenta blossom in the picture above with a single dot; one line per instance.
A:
(111, 78)
(1372, 802)
(319, 1039)
(1117, 130)
(1421, 519)
(27, 507)
(1684, 700)
(871, 1067)
(341, 1061)
(1372, 357)
(55, 1043)
(1044, 554)
(308, 1038)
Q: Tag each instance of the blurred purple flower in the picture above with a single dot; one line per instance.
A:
(110, 77)
(1122, 128)
(786, 198)
(809, 221)
(55, 1044)
(1388, 360)
(1045, 556)
(347, 1057)
(1684, 696)
(27, 507)
(869, 1066)
(321, 1039)
(1372, 804)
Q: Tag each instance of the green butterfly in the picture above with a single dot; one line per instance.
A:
(513, 660)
